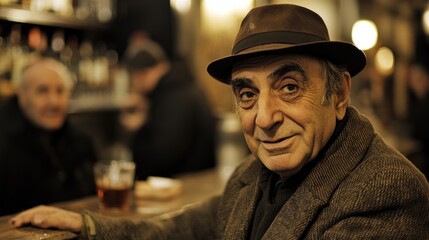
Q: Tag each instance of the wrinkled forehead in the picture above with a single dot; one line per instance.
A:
(46, 72)
(40, 73)
(305, 62)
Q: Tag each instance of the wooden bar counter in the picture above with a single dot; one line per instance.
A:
(195, 187)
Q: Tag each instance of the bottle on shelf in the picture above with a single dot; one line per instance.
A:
(37, 41)
(62, 7)
(58, 43)
(105, 10)
(10, 2)
(86, 63)
(94, 65)
(18, 52)
(12, 58)
(5, 61)
(101, 66)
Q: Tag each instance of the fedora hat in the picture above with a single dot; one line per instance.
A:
(286, 29)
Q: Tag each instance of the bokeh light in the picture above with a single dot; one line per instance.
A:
(384, 61)
(364, 34)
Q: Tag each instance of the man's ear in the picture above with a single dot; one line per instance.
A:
(343, 95)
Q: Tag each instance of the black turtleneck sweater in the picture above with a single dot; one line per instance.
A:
(39, 166)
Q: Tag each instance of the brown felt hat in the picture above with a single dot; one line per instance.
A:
(286, 29)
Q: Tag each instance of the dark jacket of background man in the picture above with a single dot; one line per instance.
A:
(41, 167)
(180, 133)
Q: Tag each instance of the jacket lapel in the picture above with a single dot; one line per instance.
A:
(241, 213)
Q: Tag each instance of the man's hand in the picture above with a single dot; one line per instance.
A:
(46, 217)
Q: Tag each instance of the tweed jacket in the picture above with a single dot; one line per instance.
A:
(359, 189)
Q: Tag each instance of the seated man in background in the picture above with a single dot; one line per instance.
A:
(172, 126)
(418, 117)
(42, 158)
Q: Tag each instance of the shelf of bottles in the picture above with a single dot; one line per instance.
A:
(63, 29)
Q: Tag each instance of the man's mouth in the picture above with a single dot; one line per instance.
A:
(53, 113)
(276, 145)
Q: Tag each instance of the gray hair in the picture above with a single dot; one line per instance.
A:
(52, 64)
(333, 75)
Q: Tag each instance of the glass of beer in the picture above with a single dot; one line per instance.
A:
(114, 181)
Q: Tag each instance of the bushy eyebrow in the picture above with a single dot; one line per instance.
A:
(241, 82)
(290, 67)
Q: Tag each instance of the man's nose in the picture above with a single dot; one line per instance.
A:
(268, 113)
(54, 98)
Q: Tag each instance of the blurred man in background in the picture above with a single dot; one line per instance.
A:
(173, 127)
(419, 115)
(42, 158)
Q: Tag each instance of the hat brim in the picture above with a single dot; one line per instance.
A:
(340, 53)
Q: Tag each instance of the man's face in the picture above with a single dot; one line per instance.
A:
(44, 97)
(280, 103)
(144, 80)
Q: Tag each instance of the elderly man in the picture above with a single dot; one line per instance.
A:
(42, 158)
(317, 171)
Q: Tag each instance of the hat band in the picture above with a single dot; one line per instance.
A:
(275, 37)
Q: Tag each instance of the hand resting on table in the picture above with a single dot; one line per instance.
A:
(47, 217)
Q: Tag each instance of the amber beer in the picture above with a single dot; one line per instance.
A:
(114, 181)
(114, 197)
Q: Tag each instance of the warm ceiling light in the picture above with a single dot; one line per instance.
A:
(226, 7)
(425, 20)
(181, 6)
(384, 61)
(364, 34)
